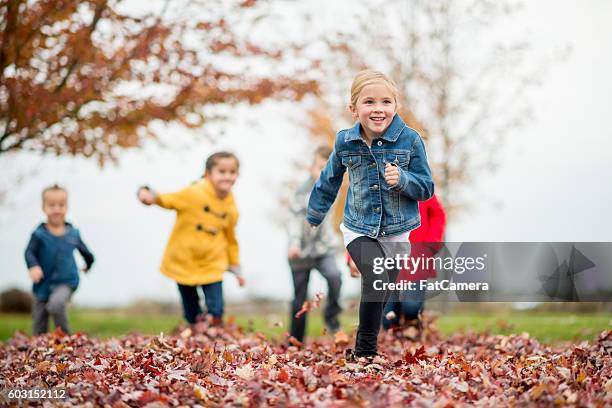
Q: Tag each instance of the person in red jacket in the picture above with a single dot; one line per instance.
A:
(410, 304)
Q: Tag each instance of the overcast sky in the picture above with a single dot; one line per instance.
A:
(554, 183)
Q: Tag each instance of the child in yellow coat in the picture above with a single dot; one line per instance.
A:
(203, 243)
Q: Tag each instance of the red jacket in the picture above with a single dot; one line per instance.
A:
(433, 224)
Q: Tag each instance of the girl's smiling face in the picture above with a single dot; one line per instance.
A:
(223, 175)
(374, 109)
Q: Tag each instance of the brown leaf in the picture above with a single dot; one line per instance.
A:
(340, 338)
(581, 377)
(43, 366)
(463, 369)
(292, 340)
(309, 305)
(536, 391)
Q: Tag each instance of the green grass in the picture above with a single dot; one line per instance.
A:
(97, 323)
(547, 327)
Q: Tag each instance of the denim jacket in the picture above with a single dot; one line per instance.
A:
(372, 207)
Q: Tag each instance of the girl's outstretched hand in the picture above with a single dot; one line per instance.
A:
(392, 175)
(146, 196)
(235, 270)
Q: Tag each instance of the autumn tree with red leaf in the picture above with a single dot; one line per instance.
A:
(90, 78)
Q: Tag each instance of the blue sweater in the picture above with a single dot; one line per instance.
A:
(55, 255)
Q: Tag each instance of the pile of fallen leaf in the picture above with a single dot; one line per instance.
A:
(213, 366)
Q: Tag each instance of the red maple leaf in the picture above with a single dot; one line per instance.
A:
(283, 376)
(150, 396)
(418, 355)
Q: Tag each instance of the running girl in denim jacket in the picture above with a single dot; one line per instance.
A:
(388, 175)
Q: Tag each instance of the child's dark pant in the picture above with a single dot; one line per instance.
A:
(213, 297)
(408, 304)
(300, 269)
(55, 307)
(364, 251)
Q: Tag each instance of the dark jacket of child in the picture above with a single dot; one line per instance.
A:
(55, 255)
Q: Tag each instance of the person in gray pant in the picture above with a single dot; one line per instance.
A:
(54, 307)
(312, 249)
(50, 260)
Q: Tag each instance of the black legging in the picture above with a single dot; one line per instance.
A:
(363, 250)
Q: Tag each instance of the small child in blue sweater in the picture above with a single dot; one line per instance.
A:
(50, 260)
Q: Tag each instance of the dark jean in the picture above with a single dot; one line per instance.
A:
(363, 251)
(300, 270)
(409, 305)
(213, 297)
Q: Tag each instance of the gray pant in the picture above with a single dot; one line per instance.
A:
(55, 307)
(300, 269)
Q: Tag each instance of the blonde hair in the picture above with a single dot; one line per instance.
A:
(369, 77)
